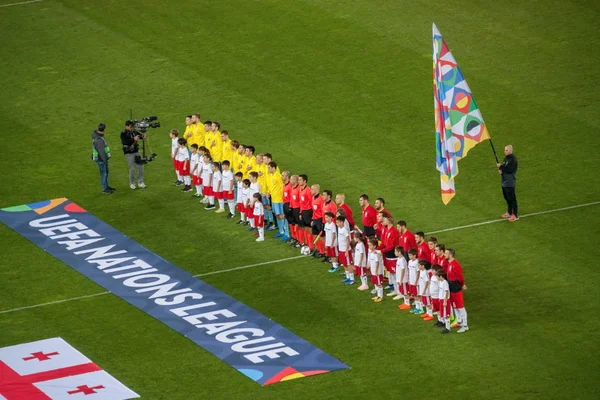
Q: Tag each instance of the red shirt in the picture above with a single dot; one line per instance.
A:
(390, 238)
(287, 193)
(455, 272)
(378, 230)
(349, 216)
(383, 210)
(424, 252)
(407, 241)
(295, 203)
(317, 207)
(369, 216)
(442, 262)
(305, 199)
(331, 207)
(432, 257)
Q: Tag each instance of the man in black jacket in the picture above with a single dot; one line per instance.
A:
(101, 154)
(508, 170)
(131, 149)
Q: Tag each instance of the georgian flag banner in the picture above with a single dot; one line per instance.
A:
(459, 125)
(51, 369)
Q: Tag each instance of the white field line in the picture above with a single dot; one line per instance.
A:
(21, 3)
(521, 216)
(296, 257)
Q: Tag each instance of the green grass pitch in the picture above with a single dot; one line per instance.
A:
(341, 91)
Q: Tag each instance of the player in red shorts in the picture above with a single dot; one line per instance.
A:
(434, 292)
(360, 260)
(259, 217)
(423, 252)
(423, 288)
(379, 226)
(227, 185)
(456, 283)
(330, 237)
(407, 239)
(344, 250)
(376, 266)
(402, 279)
(444, 300)
(413, 277)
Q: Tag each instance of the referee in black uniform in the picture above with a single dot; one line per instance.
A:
(508, 170)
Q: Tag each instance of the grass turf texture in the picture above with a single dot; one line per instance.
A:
(341, 92)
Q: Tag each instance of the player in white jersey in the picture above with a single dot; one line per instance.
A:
(228, 184)
(173, 134)
(413, 277)
(375, 260)
(217, 191)
(402, 278)
(254, 188)
(360, 260)
(239, 181)
(444, 299)
(206, 176)
(330, 230)
(259, 217)
(195, 169)
(183, 161)
(426, 312)
(434, 292)
(344, 250)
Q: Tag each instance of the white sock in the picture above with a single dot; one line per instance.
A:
(178, 177)
(447, 323)
(211, 200)
(221, 204)
(199, 189)
(231, 205)
(380, 291)
(363, 280)
(335, 265)
(351, 276)
(392, 280)
(251, 222)
(243, 217)
(261, 233)
(429, 311)
(463, 316)
(187, 180)
(406, 300)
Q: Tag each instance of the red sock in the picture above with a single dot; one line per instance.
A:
(294, 231)
(300, 234)
(321, 246)
(311, 239)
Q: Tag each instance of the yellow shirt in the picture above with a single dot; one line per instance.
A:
(217, 149)
(228, 152)
(241, 161)
(199, 134)
(188, 129)
(262, 179)
(250, 161)
(207, 141)
(275, 187)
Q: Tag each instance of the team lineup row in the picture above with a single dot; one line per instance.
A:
(421, 272)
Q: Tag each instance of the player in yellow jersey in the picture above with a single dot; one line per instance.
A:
(275, 194)
(242, 161)
(235, 156)
(250, 160)
(227, 151)
(208, 135)
(189, 126)
(262, 170)
(198, 133)
(216, 144)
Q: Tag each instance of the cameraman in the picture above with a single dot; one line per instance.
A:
(129, 140)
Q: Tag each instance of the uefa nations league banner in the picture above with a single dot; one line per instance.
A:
(245, 339)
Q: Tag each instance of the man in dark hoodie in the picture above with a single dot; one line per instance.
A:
(101, 154)
(508, 170)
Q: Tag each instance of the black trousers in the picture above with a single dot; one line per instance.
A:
(511, 200)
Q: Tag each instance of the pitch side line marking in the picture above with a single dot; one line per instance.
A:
(21, 3)
(248, 266)
(522, 216)
(296, 257)
(53, 302)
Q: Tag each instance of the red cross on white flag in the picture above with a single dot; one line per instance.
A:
(53, 370)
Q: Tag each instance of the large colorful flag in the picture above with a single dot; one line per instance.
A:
(51, 369)
(459, 125)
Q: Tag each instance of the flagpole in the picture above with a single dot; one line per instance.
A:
(494, 150)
